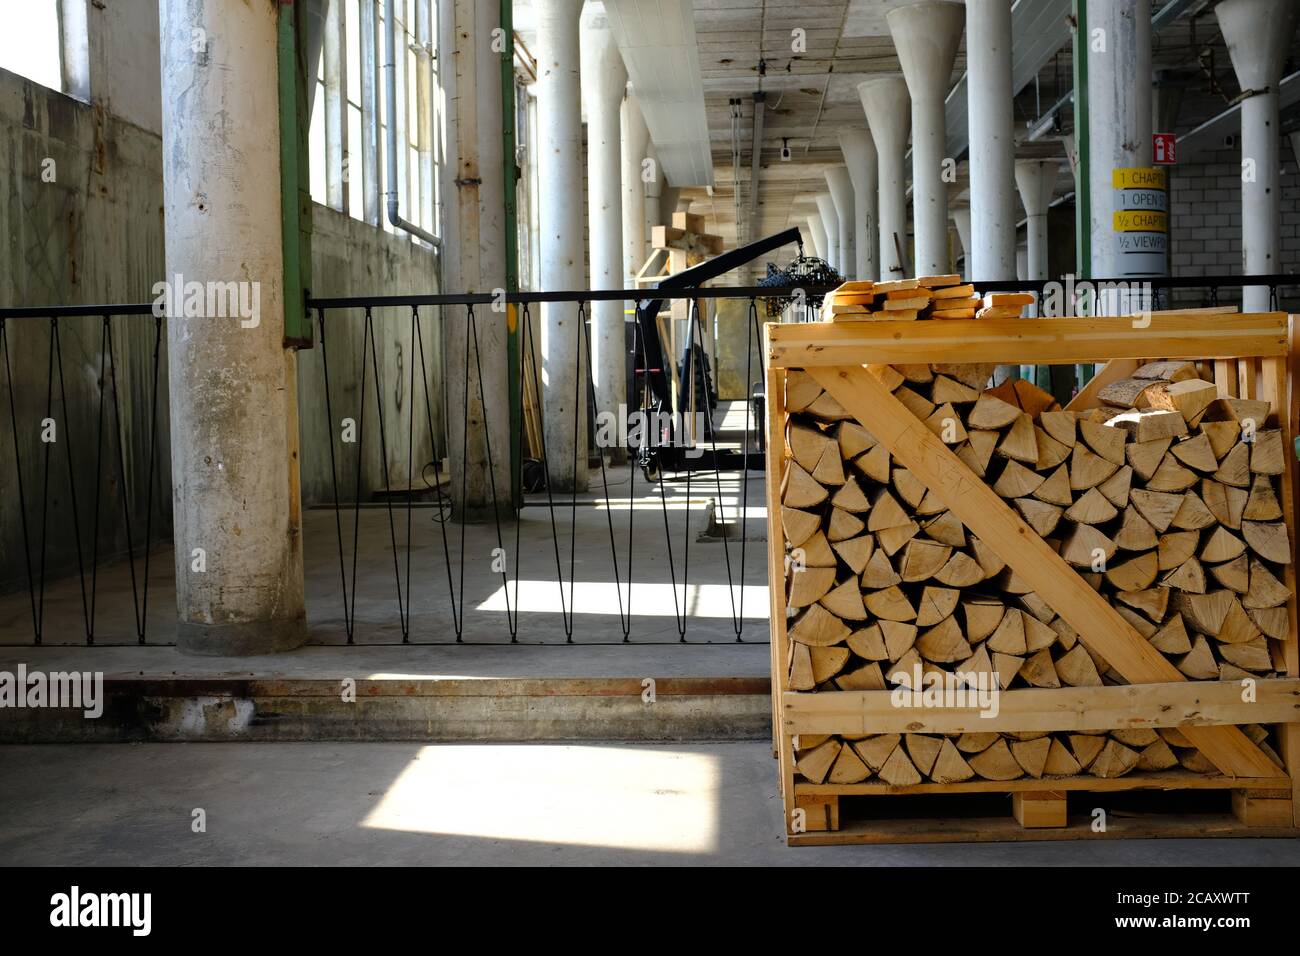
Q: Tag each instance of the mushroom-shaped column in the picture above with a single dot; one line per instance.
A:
(831, 223)
(1258, 33)
(961, 219)
(837, 178)
(1036, 178)
(816, 235)
(926, 36)
(860, 160)
(885, 102)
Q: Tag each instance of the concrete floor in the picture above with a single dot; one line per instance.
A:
(383, 804)
(691, 585)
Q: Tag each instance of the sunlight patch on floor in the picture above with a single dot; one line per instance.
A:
(647, 600)
(639, 799)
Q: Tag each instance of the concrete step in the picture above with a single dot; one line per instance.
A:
(443, 693)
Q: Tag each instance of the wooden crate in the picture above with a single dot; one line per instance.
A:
(1247, 356)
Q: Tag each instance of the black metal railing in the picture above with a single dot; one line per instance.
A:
(77, 563)
(62, 545)
(641, 563)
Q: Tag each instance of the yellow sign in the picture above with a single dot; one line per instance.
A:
(1138, 177)
(1139, 220)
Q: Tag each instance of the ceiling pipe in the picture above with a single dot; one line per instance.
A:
(926, 36)
(1258, 33)
(885, 101)
(392, 194)
(755, 162)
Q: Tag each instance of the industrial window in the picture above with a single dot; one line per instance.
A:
(349, 117)
(30, 43)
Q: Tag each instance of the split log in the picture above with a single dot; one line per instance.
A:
(1076, 668)
(1266, 453)
(855, 552)
(1056, 489)
(996, 762)
(848, 768)
(1196, 452)
(801, 490)
(807, 586)
(874, 751)
(845, 601)
(817, 627)
(891, 604)
(1031, 755)
(1115, 760)
(1084, 545)
(1189, 398)
(1136, 574)
(1192, 514)
(991, 412)
(1268, 540)
(949, 765)
(816, 763)
(935, 605)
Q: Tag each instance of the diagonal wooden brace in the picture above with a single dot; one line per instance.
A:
(1033, 560)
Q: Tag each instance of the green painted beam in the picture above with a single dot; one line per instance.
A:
(512, 243)
(1082, 172)
(295, 182)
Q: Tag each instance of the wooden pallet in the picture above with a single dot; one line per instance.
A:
(1248, 358)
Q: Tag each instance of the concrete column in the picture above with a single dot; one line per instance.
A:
(634, 138)
(559, 160)
(1119, 132)
(885, 100)
(1036, 179)
(817, 235)
(232, 386)
(604, 81)
(654, 193)
(926, 36)
(961, 219)
(860, 159)
(1258, 34)
(831, 223)
(671, 201)
(991, 249)
(841, 186)
(473, 199)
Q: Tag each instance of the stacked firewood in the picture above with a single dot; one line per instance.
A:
(926, 297)
(1165, 499)
(908, 759)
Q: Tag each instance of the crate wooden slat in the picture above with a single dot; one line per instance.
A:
(1249, 356)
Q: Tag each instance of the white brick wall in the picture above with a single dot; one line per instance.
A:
(1205, 222)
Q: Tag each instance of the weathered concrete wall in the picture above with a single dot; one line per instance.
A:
(350, 257)
(94, 234)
